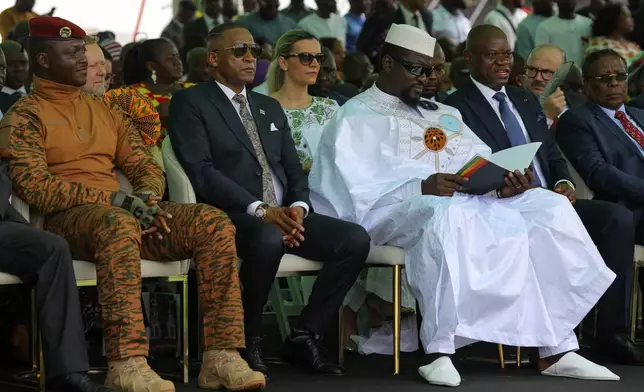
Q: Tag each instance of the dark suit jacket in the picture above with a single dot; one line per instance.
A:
(198, 27)
(375, 29)
(604, 155)
(7, 212)
(637, 102)
(480, 117)
(6, 101)
(215, 151)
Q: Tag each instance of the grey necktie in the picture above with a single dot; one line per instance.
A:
(268, 190)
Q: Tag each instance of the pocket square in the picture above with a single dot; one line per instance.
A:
(273, 128)
(262, 112)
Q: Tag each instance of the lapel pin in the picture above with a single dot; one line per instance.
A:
(525, 99)
(262, 112)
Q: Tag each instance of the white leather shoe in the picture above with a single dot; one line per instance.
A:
(441, 372)
(573, 365)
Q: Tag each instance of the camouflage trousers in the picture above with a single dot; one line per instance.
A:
(111, 238)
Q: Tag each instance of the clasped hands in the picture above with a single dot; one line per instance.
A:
(145, 208)
(289, 221)
(441, 184)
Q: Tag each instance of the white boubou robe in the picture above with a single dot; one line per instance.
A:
(520, 271)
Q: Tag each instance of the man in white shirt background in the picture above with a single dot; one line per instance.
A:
(507, 16)
(325, 22)
(450, 22)
(567, 30)
(527, 30)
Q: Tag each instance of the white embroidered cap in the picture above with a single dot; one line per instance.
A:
(411, 38)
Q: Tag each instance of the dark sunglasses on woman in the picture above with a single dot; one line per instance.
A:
(307, 58)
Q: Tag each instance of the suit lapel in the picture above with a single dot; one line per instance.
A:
(231, 117)
(490, 121)
(607, 123)
(263, 126)
(529, 120)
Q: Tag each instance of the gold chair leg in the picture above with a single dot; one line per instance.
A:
(186, 344)
(341, 336)
(636, 288)
(518, 356)
(397, 287)
(501, 358)
(35, 357)
(41, 379)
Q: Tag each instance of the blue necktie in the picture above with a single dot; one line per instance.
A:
(512, 126)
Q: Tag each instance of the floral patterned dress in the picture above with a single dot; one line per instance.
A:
(630, 51)
(307, 125)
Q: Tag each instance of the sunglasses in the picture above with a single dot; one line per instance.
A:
(239, 50)
(620, 77)
(307, 58)
(419, 70)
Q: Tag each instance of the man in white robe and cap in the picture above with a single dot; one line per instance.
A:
(514, 267)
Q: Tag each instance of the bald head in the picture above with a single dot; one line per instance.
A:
(481, 34)
(542, 63)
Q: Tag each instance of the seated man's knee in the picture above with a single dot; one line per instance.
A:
(52, 246)
(621, 220)
(359, 241)
(213, 219)
(116, 223)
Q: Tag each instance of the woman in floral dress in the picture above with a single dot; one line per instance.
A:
(296, 66)
(610, 29)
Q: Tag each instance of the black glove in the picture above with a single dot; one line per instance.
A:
(137, 205)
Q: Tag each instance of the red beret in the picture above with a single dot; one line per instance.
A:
(51, 27)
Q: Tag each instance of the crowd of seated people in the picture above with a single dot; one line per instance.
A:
(293, 145)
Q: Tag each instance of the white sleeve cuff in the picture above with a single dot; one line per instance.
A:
(253, 207)
(303, 205)
(567, 182)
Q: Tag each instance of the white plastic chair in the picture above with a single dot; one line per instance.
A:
(85, 272)
(181, 191)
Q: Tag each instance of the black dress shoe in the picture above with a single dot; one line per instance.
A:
(75, 382)
(619, 349)
(253, 355)
(302, 348)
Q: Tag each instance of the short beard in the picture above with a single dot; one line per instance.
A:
(97, 90)
(406, 97)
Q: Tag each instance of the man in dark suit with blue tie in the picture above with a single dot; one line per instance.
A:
(504, 116)
(236, 147)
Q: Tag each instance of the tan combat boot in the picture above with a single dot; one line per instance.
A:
(134, 375)
(227, 369)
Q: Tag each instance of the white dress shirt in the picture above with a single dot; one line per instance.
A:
(488, 93)
(335, 26)
(495, 18)
(611, 114)
(279, 188)
(10, 91)
(409, 18)
(447, 25)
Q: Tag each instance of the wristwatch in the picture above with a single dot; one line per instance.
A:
(260, 212)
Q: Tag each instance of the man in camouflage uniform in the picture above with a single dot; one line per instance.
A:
(63, 147)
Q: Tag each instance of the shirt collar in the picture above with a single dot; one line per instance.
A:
(487, 92)
(505, 10)
(229, 92)
(407, 14)
(610, 112)
(10, 91)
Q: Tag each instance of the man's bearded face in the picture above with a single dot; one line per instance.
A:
(96, 71)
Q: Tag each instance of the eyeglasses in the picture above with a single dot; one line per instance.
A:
(419, 70)
(532, 72)
(307, 58)
(240, 50)
(620, 77)
(491, 57)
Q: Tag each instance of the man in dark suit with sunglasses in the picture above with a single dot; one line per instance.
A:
(504, 116)
(236, 147)
(604, 141)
